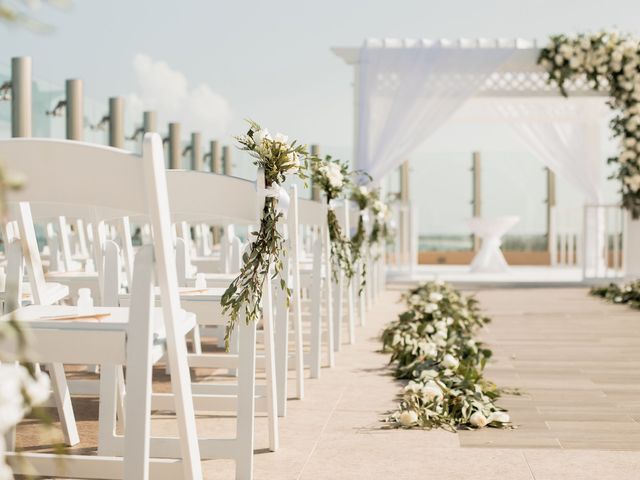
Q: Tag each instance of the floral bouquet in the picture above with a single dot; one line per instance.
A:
(433, 345)
(607, 61)
(332, 177)
(278, 158)
(363, 197)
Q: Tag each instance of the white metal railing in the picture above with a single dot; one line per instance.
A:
(405, 218)
(603, 241)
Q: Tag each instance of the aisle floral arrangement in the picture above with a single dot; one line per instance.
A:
(609, 62)
(433, 345)
(332, 177)
(628, 294)
(278, 158)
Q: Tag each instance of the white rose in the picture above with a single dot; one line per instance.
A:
(281, 138)
(478, 420)
(450, 362)
(260, 136)
(363, 190)
(11, 401)
(39, 389)
(435, 297)
(633, 182)
(630, 142)
(293, 159)
(585, 43)
(412, 387)
(559, 59)
(408, 418)
(501, 417)
(574, 63)
(440, 337)
(431, 391)
(430, 307)
(428, 375)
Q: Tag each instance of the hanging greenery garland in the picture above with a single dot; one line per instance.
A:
(278, 158)
(433, 345)
(609, 62)
(332, 177)
(362, 197)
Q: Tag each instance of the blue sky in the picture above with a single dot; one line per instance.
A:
(270, 61)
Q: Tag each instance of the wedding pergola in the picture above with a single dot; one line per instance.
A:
(404, 90)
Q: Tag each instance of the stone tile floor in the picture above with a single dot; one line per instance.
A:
(575, 359)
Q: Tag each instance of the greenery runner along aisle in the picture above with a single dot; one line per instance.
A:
(433, 345)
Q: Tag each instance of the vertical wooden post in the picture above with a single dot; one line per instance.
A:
(21, 99)
(476, 199)
(149, 121)
(175, 153)
(116, 122)
(74, 109)
(214, 153)
(551, 203)
(315, 191)
(405, 218)
(196, 152)
(227, 166)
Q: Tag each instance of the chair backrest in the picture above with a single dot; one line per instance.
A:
(311, 212)
(211, 198)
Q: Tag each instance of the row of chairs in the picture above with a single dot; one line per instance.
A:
(159, 303)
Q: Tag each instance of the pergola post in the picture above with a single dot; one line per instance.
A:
(74, 109)
(405, 218)
(476, 193)
(551, 220)
(21, 97)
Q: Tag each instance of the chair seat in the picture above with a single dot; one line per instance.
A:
(88, 341)
(215, 280)
(53, 293)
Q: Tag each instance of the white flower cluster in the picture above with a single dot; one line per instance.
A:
(432, 344)
(332, 173)
(19, 391)
(611, 61)
(265, 146)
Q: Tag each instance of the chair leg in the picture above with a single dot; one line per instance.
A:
(63, 403)
(330, 291)
(107, 409)
(338, 290)
(281, 350)
(270, 367)
(194, 336)
(246, 400)
(351, 317)
(316, 328)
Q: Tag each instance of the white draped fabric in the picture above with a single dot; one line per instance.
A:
(560, 134)
(407, 92)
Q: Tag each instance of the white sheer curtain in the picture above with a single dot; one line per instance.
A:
(407, 92)
(564, 135)
(559, 133)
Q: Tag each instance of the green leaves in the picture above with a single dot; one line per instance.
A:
(277, 157)
(432, 344)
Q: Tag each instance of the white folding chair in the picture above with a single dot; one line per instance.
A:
(112, 183)
(315, 279)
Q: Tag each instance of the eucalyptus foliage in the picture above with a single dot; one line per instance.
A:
(628, 294)
(609, 62)
(433, 345)
(278, 158)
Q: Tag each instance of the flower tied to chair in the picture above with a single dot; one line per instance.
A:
(332, 177)
(275, 157)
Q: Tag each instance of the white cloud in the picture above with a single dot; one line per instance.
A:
(167, 91)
